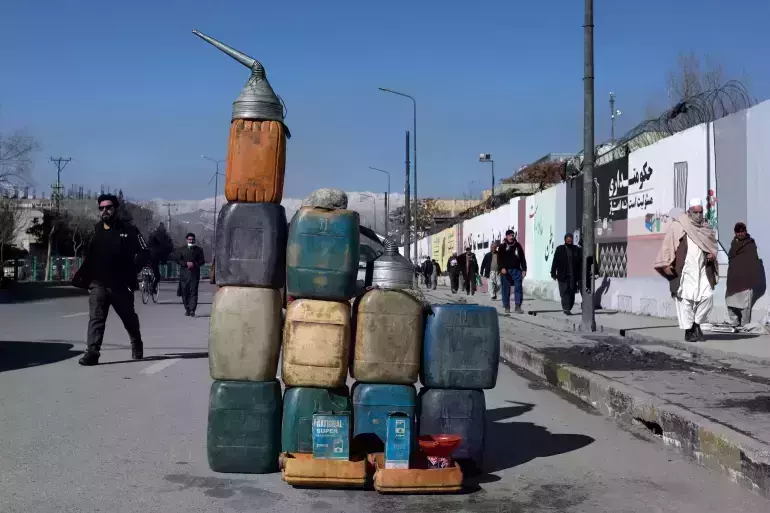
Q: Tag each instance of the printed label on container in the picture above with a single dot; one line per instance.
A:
(331, 436)
(399, 438)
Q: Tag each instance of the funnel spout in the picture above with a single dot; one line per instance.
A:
(244, 59)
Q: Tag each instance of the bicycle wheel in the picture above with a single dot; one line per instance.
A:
(156, 293)
(145, 292)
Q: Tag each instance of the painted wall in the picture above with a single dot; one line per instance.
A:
(726, 164)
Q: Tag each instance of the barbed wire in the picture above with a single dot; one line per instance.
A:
(704, 107)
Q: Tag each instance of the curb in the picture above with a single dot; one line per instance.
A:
(717, 354)
(742, 459)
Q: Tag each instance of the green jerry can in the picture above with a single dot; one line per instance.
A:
(244, 430)
(322, 254)
(300, 403)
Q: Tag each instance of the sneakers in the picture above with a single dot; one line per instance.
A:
(137, 351)
(518, 309)
(507, 309)
(89, 359)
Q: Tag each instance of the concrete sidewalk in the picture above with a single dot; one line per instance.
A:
(716, 411)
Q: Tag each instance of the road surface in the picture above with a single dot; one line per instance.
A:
(130, 436)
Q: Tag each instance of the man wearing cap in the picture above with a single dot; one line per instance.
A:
(513, 270)
(469, 268)
(687, 259)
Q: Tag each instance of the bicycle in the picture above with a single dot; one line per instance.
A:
(146, 286)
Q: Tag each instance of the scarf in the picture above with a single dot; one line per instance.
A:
(702, 236)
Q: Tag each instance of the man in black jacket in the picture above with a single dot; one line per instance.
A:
(115, 256)
(190, 259)
(469, 268)
(453, 269)
(566, 266)
(513, 270)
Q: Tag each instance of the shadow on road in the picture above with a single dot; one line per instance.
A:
(510, 444)
(37, 291)
(21, 355)
(167, 356)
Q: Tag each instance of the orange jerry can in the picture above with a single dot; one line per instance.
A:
(256, 149)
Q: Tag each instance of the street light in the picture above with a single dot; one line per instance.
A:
(215, 178)
(487, 157)
(374, 207)
(414, 158)
(613, 114)
(387, 199)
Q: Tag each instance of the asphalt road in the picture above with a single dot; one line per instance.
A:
(130, 436)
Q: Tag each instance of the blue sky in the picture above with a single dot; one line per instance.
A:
(127, 91)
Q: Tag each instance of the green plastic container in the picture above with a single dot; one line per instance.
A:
(322, 254)
(244, 429)
(300, 403)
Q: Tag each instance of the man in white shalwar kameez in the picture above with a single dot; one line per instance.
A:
(687, 259)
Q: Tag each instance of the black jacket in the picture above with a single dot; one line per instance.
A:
(560, 265)
(453, 269)
(114, 258)
(194, 255)
(474, 265)
(486, 264)
(511, 257)
(427, 268)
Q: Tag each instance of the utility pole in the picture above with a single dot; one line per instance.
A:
(215, 179)
(387, 199)
(487, 157)
(60, 163)
(587, 237)
(408, 231)
(168, 220)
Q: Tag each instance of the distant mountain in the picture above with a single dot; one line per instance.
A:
(198, 215)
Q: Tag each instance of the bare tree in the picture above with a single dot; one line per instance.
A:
(16, 158)
(11, 224)
(81, 220)
(689, 79)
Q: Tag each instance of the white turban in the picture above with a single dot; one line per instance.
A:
(696, 202)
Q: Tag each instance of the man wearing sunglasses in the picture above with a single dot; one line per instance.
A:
(115, 256)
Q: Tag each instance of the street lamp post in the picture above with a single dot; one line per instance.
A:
(374, 207)
(387, 199)
(215, 178)
(487, 157)
(414, 159)
(613, 114)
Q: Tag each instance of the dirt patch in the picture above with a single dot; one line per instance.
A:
(759, 404)
(614, 357)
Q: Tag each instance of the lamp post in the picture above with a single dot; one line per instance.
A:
(613, 114)
(487, 157)
(215, 178)
(387, 199)
(587, 237)
(414, 159)
(374, 207)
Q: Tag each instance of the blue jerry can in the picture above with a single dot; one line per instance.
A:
(322, 254)
(244, 426)
(461, 348)
(251, 245)
(456, 412)
(373, 402)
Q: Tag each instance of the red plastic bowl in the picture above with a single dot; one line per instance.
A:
(439, 446)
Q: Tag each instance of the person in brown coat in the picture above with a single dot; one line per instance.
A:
(744, 274)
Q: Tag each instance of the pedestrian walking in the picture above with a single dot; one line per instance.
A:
(513, 270)
(427, 272)
(491, 271)
(190, 260)
(687, 259)
(454, 273)
(744, 275)
(436, 273)
(469, 268)
(567, 261)
(115, 256)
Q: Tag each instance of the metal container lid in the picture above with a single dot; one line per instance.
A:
(257, 100)
(391, 270)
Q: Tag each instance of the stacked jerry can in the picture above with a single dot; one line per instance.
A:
(321, 269)
(244, 423)
(461, 353)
